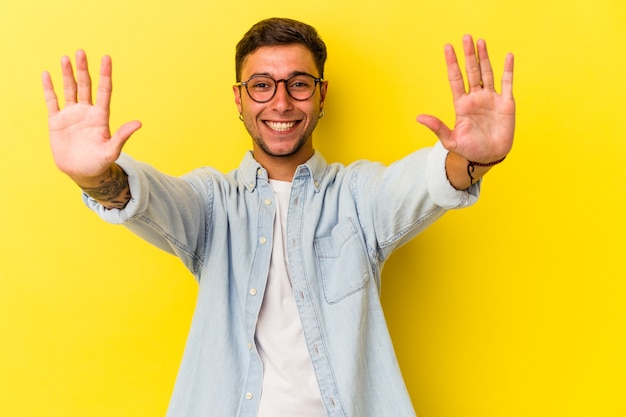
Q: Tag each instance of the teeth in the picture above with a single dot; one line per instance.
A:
(281, 126)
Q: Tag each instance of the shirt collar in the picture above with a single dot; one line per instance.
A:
(251, 171)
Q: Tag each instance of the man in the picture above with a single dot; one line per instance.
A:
(287, 249)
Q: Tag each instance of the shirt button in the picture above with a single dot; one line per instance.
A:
(262, 240)
(249, 346)
(249, 396)
(268, 202)
(252, 291)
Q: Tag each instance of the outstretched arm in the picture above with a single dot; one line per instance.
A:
(80, 137)
(485, 120)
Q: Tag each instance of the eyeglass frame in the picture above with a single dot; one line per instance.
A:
(316, 80)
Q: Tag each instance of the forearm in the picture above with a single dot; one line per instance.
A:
(111, 190)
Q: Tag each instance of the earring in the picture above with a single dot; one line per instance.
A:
(241, 116)
(321, 114)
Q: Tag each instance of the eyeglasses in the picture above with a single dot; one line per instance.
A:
(262, 88)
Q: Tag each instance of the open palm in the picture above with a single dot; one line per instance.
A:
(485, 120)
(80, 137)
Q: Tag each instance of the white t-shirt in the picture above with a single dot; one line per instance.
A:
(289, 384)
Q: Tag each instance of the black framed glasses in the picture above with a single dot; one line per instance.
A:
(262, 88)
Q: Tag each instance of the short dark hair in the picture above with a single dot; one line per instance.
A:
(280, 31)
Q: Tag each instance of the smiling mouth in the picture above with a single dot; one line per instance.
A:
(281, 126)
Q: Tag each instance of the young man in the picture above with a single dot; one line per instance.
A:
(287, 249)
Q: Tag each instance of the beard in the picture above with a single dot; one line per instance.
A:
(297, 146)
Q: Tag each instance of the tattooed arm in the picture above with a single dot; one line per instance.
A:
(112, 190)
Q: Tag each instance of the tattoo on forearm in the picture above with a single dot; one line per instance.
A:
(113, 191)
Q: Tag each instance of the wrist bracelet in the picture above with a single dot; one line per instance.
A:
(471, 165)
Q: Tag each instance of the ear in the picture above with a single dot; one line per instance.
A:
(237, 92)
(323, 90)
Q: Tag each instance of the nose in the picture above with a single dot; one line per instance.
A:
(282, 99)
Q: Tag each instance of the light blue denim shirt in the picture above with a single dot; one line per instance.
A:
(343, 223)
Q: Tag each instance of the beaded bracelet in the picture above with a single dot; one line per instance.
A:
(471, 165)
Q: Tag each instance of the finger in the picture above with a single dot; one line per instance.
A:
(69, 83)
(52, 103)
(507, 77)
(472, 66)
(105, 85)
(486, 72)
(455, 78)
(83, 77)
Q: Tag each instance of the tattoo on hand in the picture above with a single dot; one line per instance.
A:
(113, 191)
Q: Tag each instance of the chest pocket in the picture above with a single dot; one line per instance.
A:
(342, 262)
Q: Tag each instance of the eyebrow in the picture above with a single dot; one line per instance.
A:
(267, 74)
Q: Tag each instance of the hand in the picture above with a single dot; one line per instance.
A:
(80, 138)
(485, 120)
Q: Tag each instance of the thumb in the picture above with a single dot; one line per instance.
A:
(438, 128)
(124, 133)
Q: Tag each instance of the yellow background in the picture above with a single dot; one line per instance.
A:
(515, 307)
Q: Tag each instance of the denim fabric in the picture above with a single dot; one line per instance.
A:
(343, 223)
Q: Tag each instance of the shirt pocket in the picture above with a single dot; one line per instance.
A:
(342, 262)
